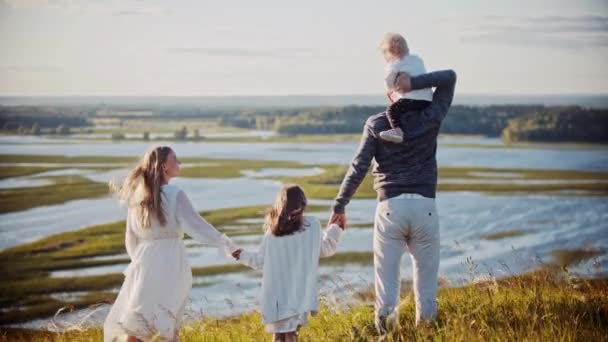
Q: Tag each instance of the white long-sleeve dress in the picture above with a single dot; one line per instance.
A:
(290, 267)
(158, 280)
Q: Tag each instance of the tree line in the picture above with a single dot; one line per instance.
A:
(512, 122)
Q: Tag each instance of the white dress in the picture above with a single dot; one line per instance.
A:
(290, 266)
(158, 280)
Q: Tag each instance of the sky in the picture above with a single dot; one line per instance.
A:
(282, 47)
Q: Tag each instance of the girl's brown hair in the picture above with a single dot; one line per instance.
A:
(287, 214)
(142, 188)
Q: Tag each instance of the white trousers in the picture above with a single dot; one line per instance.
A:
(411, 223)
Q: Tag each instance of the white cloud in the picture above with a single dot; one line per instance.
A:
(559, 32)
(31, 68)
(97, 7)
(245, 52)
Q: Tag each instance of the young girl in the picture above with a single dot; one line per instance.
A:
(158, 280)
(289, 257)
(397, 55)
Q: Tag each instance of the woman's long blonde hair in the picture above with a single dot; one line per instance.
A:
(286, 216)
(142, 187)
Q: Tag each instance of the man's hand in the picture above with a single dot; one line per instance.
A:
(339, 219)
(403, 83)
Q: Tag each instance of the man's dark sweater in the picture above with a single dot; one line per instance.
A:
(409, 167)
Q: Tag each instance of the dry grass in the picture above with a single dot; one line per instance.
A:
(539, 306)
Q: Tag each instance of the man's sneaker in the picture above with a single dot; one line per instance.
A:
(392, 135)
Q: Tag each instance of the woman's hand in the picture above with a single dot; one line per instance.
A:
(403, 83)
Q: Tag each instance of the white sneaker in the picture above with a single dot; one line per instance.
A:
(392, 135)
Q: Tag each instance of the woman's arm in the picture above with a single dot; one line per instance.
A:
(329, 240)
(196, 226)
(131, 239)
(254, 260)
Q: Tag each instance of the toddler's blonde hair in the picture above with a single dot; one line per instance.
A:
(394, 46)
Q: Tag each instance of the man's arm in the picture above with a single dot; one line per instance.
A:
(444, 81)
(357, 170)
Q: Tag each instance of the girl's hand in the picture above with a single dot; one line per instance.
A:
(339, 219)
(237, 254)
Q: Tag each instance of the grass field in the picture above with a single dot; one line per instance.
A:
(545, 305)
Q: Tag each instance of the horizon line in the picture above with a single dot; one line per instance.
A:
(307, 95)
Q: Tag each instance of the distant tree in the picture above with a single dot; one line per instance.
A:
(118, 136)
(196, 134)
(146, 136)
(35, 129)
(10, 125)
(22, 130)
(277, 124)
(262, 122)
(182, 134)
(63, 130)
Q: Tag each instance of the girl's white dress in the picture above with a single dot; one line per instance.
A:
(290, 266)
(158, 280)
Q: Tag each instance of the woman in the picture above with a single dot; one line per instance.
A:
(158, 280)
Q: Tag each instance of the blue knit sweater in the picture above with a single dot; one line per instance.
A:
(409, 167)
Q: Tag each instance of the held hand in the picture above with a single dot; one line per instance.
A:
(229, 245)
(403, 83)
(339, 219)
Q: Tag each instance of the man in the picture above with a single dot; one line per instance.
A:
(405, 179)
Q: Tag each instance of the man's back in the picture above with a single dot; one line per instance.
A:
(409, 167)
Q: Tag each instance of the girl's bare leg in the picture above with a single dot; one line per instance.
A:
(279, 337)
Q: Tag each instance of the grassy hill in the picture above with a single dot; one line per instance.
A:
(546, 305)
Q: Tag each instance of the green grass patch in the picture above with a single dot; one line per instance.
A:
(532, 146)
(64, 189)
(215, 168)
(60, 159)
(47, 307)
(539, 306)
(357, 258)
(306, 138)
(522, 174)
(231, 168)
(312, 138)
(572, 257)
(327, 184)
(219, 269)
(503, 235)
(599, 189)
(20, 171)
(28, 287)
